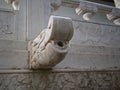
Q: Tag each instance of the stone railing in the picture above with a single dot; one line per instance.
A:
(88, 9)
(51, 46)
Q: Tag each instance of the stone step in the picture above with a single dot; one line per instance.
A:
(13, 45)
(13, 59)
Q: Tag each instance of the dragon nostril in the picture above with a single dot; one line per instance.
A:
(60, 44)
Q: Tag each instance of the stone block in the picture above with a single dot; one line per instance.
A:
(12, 45)
(90, 49)
(13, 59)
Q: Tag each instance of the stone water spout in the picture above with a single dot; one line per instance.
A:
(51, 46)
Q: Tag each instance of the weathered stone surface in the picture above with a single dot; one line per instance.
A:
(39, 9)
(93, 47)
(13, 59)
(13, 45)
(45, 80)
(90, 62)
(7, 30)
(97, 46)
(96, 34)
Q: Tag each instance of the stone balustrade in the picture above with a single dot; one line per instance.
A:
(88, 9)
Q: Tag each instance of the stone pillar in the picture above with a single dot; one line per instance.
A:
(117, 3)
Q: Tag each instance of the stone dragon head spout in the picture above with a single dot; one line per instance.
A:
(51, 46)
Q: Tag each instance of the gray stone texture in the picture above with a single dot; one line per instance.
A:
(93, 61)
(93, 46)
(96, 34)
(13, 59)
(7, 30)
(46, 80)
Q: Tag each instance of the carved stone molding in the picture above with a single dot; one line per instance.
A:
(117, 21)
(51, 46)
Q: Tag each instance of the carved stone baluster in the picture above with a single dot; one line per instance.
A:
(117, 3)
(86, 10)
(114, 16)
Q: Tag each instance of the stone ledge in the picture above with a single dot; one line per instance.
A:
(94, 22)
(54, 70)
(7, 10)
(78, 58)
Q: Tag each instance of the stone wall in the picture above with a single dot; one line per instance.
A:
(46, 80)
(93, 61)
